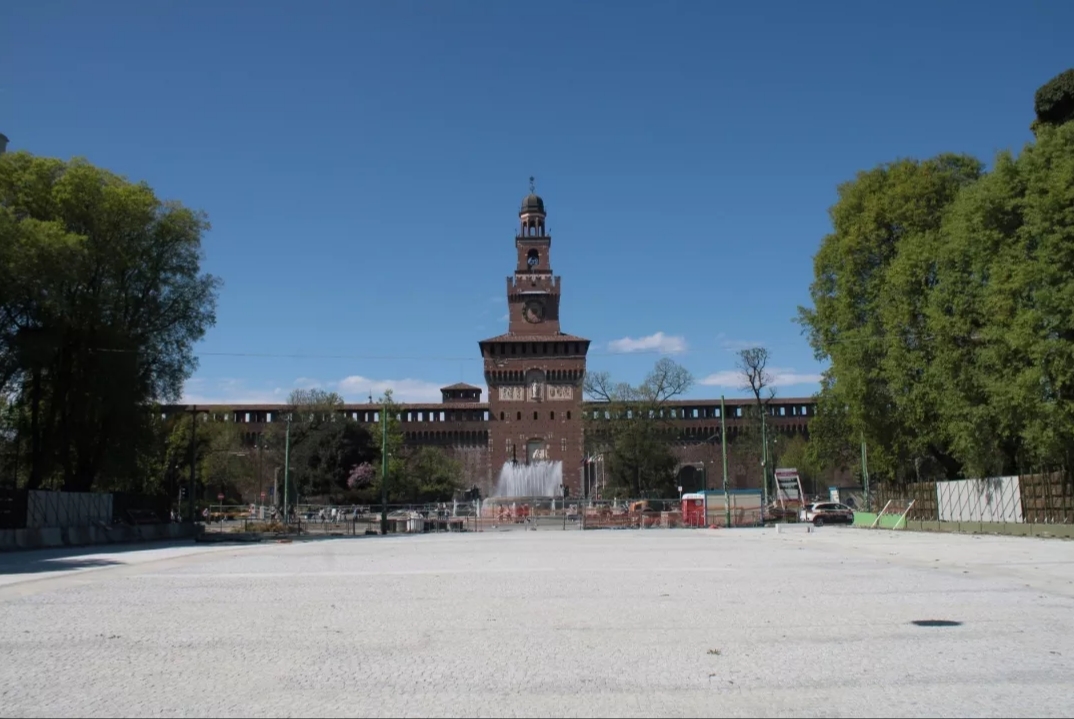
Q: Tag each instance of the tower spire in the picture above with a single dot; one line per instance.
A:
(533, 187)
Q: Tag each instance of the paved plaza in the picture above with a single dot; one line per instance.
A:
(545, 623)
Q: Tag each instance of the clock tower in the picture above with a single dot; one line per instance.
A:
(533, 293)
(535, 371)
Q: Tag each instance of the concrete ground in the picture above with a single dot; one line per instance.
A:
(546, 623)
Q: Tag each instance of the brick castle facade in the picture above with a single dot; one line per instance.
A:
(535, 409)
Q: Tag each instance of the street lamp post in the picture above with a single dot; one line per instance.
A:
(723, 439)
(193, 456)
(764, 462)
(384, 469)
(260, 474)
(287, 472)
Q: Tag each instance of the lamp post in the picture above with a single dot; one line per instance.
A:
(260, 474)
(193, 457)
(764, 462)
(723, 439)
(383, 469)
(865, 473)
(287, 472)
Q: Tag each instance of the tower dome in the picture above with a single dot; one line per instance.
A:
(532, 203)
(531, 216)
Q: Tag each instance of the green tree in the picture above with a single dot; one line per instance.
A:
(868, 319)
(1001, 312)
(1054, 101)
(224, 464)
(943, 300)
(831, 444)
(101, 302)
(399, 485)
(634, 427)
(325, 446)
(433, 475)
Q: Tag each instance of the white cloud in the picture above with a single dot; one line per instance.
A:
(506, 317)
(781, 377)
(357, 389)
(658, 342)
(354, 389)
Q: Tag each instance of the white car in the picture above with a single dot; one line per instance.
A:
(827, 513)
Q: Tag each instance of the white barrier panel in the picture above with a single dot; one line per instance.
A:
(996, 499)
(67, 509)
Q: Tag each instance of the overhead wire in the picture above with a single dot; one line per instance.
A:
(729, 347)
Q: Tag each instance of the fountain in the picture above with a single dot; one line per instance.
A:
(524, 490)
(537, 479)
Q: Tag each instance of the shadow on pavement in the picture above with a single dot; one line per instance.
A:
(37, 565)
(33, 561)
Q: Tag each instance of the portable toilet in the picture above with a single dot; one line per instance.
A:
(693, 510)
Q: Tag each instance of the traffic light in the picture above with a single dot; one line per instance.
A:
(182, 493)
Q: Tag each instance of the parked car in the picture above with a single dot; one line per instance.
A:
(827, 513)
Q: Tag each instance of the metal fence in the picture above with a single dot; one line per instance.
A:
(1046, 498)
(483, 516)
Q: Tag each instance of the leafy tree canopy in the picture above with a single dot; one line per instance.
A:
(944, 302)
(101, 301)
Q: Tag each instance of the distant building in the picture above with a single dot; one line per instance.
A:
(535, 410)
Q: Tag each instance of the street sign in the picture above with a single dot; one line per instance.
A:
(262, 495)
(220, 497)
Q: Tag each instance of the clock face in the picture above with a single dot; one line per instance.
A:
(533, 311)
(532, 260)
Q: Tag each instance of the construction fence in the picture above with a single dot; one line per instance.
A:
(1045, 498)
(44, 509)
(742, 510)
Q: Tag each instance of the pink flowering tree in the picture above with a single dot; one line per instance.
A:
(361, 476)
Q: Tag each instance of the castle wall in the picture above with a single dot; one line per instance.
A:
(476, 436)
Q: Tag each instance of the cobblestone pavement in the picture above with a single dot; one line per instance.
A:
(546, 623)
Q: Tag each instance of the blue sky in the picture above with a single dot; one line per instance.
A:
(362, 163)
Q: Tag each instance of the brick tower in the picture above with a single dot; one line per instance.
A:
(535, 371)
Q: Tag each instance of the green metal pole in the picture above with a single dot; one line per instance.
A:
(287, 472)
(723, 439)
(193, 459)
(764, 462)
(865, 473)
(383, 470)
(260, 475)
(705, 494)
